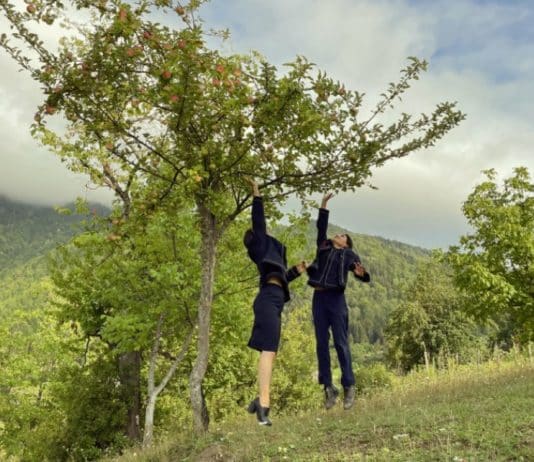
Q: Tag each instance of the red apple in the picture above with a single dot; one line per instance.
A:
(181, 44)
(123, 15)
(166, 74)
(174, 98)
(50, 109)
(180, 10)
(31, 8)
(219, 68)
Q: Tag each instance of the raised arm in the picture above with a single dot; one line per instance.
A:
(322, 220)
(258, 215)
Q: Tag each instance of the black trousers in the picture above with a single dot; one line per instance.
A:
(330, 312)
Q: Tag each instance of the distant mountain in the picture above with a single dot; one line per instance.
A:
(27, 230)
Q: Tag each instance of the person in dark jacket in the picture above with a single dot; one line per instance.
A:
(269, 255)
(328, 275)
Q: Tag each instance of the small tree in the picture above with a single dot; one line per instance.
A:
(149, 107)
(132, 287)
(494, 264)
(431, 323)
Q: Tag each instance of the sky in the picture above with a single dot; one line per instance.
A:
(480, 54)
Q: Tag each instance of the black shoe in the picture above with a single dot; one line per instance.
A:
(262, 413)
(330, 394)
(348, 398)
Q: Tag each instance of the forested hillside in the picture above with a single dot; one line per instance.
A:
(28, 230)
(392, 266)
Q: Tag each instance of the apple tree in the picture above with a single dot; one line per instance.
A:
(148, 107)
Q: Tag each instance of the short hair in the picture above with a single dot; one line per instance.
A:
(349, 241)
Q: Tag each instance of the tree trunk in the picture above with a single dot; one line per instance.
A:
(149, 420)
(130, 378)
(208, 258)
(153, 390)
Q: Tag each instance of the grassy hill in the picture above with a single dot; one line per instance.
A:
(478, 412)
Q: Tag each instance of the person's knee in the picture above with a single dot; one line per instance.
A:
(342, 346)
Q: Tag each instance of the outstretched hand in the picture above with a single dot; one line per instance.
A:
(359, 270)
(326, 198)
(254, 185)
(301, 267)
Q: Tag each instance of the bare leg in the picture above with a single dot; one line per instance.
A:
(265, 369)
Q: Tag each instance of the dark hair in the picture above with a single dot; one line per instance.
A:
(247, 237)
(349, 241)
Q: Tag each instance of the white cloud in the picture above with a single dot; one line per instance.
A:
(478, 56)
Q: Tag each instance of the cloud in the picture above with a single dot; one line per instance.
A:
(476, 57)
(481, 54)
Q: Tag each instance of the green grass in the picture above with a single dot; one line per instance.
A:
(476, 413)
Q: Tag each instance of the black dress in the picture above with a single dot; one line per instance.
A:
(269, 255)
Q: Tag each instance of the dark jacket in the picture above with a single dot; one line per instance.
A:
(330, 268)
(268, 253)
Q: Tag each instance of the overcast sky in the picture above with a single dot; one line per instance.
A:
(480, 52)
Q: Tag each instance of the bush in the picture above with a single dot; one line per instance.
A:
(375, 376)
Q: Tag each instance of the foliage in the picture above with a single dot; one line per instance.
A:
(494, 265)
(28, 230)
(88, 399)
(373, 377)
(150, 110)
(431, 321)
(145, 101)
(231, 376)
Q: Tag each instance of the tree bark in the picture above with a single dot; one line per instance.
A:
(208, 249)
(130, 377)
(153, 390)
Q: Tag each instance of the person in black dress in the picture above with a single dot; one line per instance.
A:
(269, 255)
